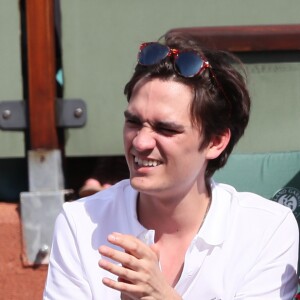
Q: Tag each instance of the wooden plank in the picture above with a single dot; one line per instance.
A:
(41, 74)
(248, 38)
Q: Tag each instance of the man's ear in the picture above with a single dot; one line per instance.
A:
(217, 144)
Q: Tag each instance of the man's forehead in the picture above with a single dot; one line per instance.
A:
(164, 87)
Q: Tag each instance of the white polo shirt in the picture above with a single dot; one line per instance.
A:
(247, 247)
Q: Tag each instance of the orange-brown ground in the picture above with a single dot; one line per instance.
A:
(17, 282)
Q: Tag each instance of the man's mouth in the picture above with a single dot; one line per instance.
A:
(146, 162)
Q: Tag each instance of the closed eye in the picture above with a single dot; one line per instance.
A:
(168, 128)
(161, 127)
(166, 131)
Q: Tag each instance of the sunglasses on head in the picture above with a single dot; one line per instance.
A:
(186, 63)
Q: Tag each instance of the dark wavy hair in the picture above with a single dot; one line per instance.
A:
(221, 98)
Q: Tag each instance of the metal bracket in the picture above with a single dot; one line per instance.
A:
(69, 114)
(13, 115)
(39, 211)
(41, 205)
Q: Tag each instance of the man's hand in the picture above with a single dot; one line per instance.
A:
(139, 275)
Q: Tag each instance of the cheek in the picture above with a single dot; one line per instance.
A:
(190, 156)
(191, 145)
(185, 153)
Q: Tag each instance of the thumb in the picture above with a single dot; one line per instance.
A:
(155, 249)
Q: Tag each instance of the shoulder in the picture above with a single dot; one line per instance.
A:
(257, 212)
(253, 202)
(260, 241)
(97, 206)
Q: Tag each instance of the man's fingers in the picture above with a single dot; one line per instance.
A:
(124, 287)
(126, 274)
(155, 249)
(131, 245)
(125, 297)
(121, 257)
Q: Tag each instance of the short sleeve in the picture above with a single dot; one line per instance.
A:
(66, 279)
(274, 275)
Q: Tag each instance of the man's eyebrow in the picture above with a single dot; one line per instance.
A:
(158, 124)
(129, 115)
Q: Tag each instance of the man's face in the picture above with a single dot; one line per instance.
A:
(161, 144)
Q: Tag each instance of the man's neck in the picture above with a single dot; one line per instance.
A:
(174, 216)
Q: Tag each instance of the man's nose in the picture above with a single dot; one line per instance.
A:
(144, 139)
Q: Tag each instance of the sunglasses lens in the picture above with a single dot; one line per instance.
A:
(152, 54)
(188, 64)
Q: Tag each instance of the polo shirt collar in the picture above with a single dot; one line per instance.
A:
(214, 229)
(137, 228)
(216, 223)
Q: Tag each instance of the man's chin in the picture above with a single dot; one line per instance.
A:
(141, 184)
(137, 182)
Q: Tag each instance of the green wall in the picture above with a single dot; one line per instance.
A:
(100, 41)
(11, 143)
(275, 116)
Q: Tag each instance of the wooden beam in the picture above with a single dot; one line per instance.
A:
(40, 33)
(247, 38)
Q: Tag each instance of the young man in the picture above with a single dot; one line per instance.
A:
(171, 232)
